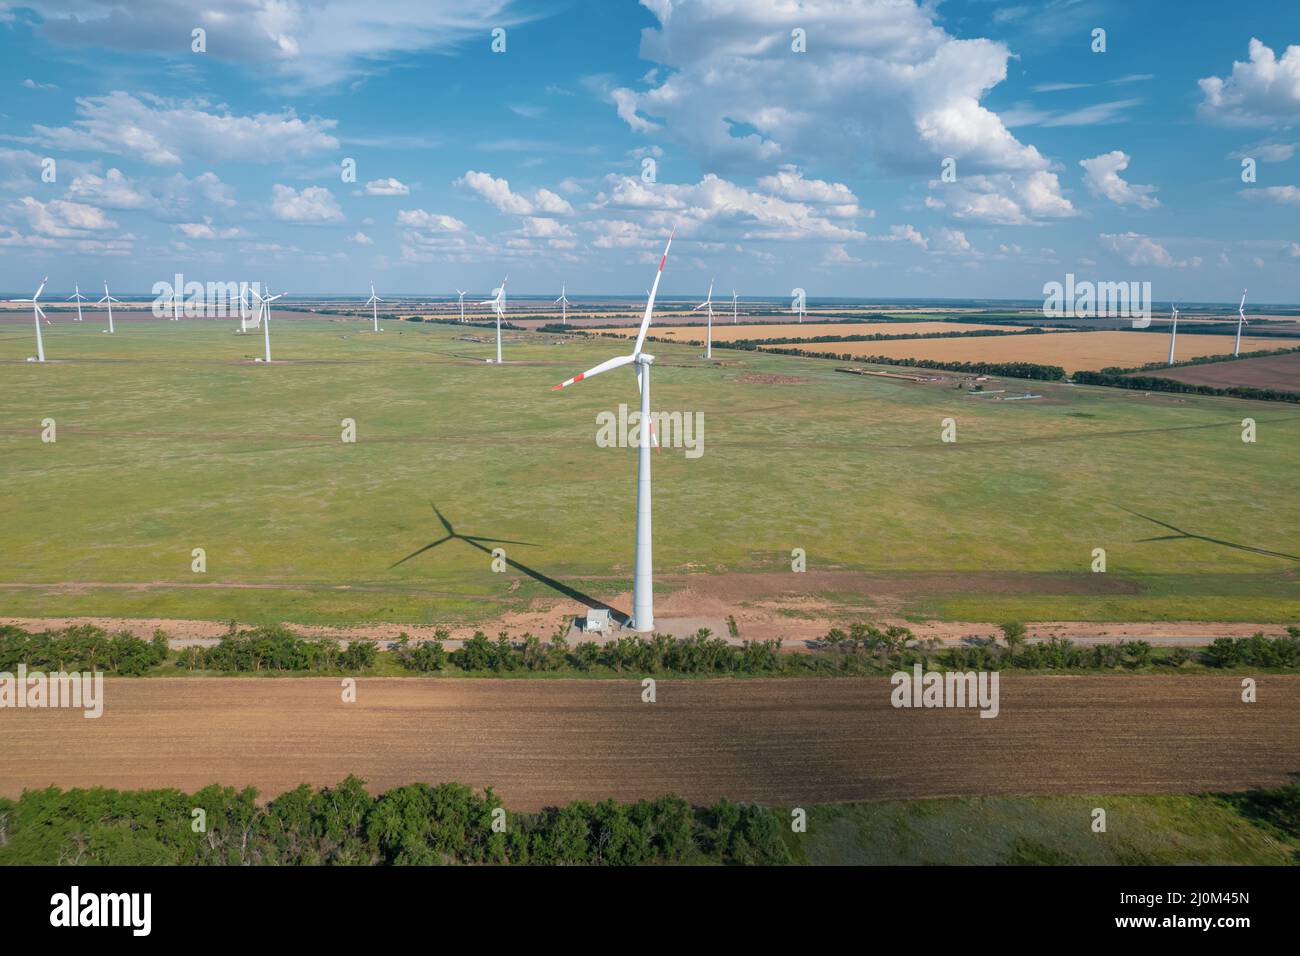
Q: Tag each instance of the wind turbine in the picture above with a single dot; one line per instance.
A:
(176, 305)
(373, 302)
(243, 308)
(708, 341)
(643, 609)
(461, 293)
(798, 307)
(1241, 320)
(1173, 336)
(564, 306)
(498, 303)
(264, 303)
(733, 306)
(109, 300)
(78, 296)
(37, 315)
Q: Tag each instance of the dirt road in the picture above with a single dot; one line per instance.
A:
(781, 741)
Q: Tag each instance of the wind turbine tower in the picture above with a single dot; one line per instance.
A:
(643, 611)
(708, 304)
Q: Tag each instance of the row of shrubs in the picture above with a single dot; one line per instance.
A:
(861, 649)
(699, 654)
(417, 824)
(80, 648)
(276, 648)
(866, 648)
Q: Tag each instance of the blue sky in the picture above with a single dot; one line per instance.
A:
(818, 169)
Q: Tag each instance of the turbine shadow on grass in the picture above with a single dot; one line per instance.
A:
(1187, 535)
(481, 542)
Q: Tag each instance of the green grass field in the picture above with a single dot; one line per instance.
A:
(1204, 829)
(168, 441)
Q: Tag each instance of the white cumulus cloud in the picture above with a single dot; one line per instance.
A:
(1101, 174)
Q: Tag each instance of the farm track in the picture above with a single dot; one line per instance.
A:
(784, 741)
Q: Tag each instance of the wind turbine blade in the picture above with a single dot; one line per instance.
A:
(605, 366)
(445, 523)
(475, 537)
(420, 551)
(650, 302)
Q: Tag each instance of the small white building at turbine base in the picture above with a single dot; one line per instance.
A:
(596, 621)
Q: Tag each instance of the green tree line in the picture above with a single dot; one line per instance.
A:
(418, 824)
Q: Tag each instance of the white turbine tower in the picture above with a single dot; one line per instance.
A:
(37, 315)
(243, 309)
(373, 302)
(498, 303)
(564, 306)
(798, 308)
(1173, 335)
(733, 306)
(461, 293)
(264, 316)
(176, 305)
(108, 300)
(708, 340)
(1241, 320)
(643, 607)
(78, 297)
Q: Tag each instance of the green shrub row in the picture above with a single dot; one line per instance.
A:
(416, 824)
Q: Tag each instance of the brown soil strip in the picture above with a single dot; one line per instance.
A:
(540, 743)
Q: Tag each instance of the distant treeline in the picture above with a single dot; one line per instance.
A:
(1150, 383)
(344, 825)
(1045, 373)
(862, 650)
(1203, 360)
(753, 345)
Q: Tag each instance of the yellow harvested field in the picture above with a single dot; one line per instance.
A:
(1073, 351)
(724, 331)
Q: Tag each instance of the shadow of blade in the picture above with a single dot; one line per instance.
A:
(560, 586)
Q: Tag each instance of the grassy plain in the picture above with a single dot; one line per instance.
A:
(169, 438)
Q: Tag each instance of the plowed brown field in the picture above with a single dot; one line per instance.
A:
(781, 741)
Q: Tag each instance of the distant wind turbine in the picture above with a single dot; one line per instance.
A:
(176, 305)
(37, 315)
(708, 339)
(373, 302)
(243, 309)
(461, 293)
(733, 306)
(1173, 335)
(564, 306)
(643, 608)
(108, 300)
(78, 296)
(1241, 320)
(498, 303)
